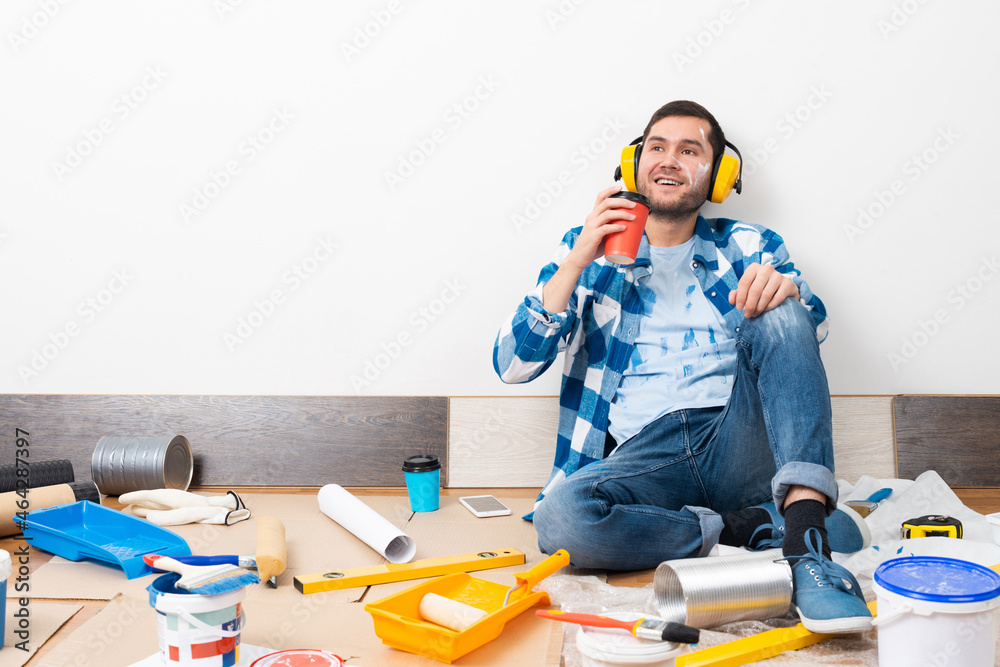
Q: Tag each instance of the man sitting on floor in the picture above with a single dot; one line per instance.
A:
(694, 407)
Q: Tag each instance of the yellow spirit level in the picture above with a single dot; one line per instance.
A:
(418, 569)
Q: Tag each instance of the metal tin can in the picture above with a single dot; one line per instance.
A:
(124, 463)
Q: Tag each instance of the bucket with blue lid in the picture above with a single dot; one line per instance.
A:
(936, 611)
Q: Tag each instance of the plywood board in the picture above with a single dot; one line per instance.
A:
(957, 436)
(242, 440)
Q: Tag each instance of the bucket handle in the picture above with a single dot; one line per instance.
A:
(214, 629)
(898, 611)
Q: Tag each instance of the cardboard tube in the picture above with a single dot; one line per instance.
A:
(40, 498)
(272, 551)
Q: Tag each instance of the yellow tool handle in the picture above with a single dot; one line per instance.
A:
(418, 569)
(757, 647)
(550, 565)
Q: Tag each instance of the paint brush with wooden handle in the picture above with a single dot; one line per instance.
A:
(654, 629)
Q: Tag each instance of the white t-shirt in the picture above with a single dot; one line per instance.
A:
(684, 354)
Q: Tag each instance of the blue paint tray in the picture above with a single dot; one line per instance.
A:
(87, 530)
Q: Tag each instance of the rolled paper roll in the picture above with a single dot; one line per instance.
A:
(366, 524)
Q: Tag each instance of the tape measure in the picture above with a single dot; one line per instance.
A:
(931, 525)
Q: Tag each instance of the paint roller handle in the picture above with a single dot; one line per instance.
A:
(550, 565)
(527, 580)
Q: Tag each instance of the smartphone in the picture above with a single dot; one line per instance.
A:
(483, 506)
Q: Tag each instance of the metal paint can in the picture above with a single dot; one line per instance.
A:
(124, 463)
(709, 592)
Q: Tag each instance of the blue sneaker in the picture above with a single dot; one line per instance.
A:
(826, 596)
(846, 531)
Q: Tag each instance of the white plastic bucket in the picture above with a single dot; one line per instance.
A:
(936, 612)
(610, 647)
(196, 630)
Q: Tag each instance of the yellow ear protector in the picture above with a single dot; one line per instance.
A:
(727, 172)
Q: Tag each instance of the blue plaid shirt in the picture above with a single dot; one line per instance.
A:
(599, 326)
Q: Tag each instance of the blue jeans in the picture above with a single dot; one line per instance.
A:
(658, 496)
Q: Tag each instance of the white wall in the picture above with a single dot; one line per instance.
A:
(116, 115)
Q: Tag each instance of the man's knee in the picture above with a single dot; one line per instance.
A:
(789, 318)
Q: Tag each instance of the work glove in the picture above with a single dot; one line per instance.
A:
(173, 507)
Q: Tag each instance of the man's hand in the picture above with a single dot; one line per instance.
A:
(601, 222)
(588, 247)
(760, 289)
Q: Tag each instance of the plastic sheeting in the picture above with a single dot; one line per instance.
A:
(928, 494)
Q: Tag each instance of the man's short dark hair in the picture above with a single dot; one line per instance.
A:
(716, 137)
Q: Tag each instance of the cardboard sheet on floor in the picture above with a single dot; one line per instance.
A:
(452, 529)
(44, 618)
(283, 618)
(124, 633)
(315, 544)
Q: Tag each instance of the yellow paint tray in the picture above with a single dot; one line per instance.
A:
(398, 623)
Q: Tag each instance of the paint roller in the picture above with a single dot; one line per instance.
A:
(272, 551)
(269, 560)
(450, 613)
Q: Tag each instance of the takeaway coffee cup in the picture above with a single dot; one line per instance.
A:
(423, 479)
(622, 247)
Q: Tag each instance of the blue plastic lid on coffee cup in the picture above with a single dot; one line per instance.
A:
(421, 463)
(937, 579)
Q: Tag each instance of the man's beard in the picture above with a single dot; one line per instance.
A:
(679, 209)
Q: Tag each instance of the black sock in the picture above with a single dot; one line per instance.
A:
(800, 516)
(737, 527)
